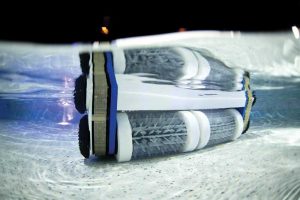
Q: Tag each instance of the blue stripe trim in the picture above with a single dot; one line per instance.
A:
(242, 110)
(243, 82)
(113, 98)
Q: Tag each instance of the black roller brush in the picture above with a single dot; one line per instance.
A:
(84, 137)
(80, 94)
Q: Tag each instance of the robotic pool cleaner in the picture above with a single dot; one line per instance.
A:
(146, 102)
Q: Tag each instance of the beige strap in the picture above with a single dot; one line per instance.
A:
(249, 102)
(100, 104)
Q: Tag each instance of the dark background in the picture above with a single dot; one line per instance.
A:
(50, 22)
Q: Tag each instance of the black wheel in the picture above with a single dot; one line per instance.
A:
(84, 137)
(84, 63)
(80, 94)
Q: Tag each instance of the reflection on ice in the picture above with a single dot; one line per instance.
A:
(285, 136)
(67, 103)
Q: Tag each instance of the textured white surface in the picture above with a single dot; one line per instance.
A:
(262, 164)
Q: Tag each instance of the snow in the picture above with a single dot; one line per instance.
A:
(263, 164)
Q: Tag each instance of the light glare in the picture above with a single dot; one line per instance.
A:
(104, 30)
(295, 31)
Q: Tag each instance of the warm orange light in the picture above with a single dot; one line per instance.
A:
(104, 30)
(181, 29)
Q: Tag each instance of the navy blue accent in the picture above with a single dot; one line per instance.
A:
(112, 118)
(242, 110)
(243, 82)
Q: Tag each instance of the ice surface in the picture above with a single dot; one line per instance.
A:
(40, 159)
